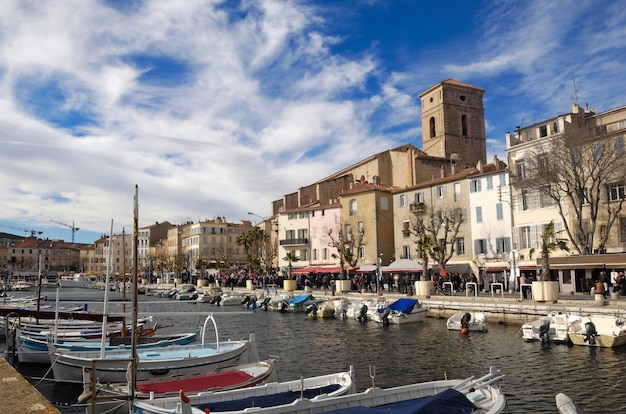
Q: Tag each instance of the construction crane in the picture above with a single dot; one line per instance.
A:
(71, 226)
(33, 233)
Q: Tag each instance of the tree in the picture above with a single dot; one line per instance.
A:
(424, 244)
(584, 178)
(290, 258)
(549, 243)
(436, 229)
(259, 251)
(347, 246)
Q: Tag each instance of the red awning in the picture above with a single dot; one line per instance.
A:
(318, 269)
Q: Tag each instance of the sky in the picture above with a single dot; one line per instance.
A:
(218, 108)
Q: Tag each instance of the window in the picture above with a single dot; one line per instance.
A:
(596, 149)
(290, 234)
(525, 200)
(621, 124)
(384, 203)
(520, 169)
(619, 146)
(457, 191)
(418, 197)
(545, 200)
(555, 127)
(361, 227)
(499, 212)
(353, 207)
(314, 254)
(304, 254)
(361, 252)
(489, 182)
(406, 252)
(503, 245)
(474, 185)
(616, 192)
(324, 253)
(525, 238)
(402, 201)
(480, 246)
(502, 178)
(543, 131)
(479, 214)
(464, 125)
(432, 127)
(460, 246)
(440, 191)
(529, 135)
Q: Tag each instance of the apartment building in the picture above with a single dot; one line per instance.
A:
(29, 255)
(589, 147)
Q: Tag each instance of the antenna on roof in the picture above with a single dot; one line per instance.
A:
(575, 96)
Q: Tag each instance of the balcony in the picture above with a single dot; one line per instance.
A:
(294, 242)
(418, 207)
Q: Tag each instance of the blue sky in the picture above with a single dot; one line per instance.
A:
(217, 108)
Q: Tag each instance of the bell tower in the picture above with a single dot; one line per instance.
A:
(453, 121)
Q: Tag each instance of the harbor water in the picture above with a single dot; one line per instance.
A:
(385, 356)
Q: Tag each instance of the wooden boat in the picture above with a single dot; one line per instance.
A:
(68, 366)
(475, 322)
(607, 331)
(566, 405)
(223, 379)
(400, 312)
(270, 394)
(35, 351)
(553, 327)
(479, 396)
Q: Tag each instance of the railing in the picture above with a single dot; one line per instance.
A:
(493, 289)
(521, 290)
(291, 242)
(475, 285)
(449, 284)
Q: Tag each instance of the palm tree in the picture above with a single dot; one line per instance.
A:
(549, 243)
(290, 258)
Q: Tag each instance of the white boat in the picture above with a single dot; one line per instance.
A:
(553, 327)
(68, 366)
(77, 280)
(270, 394)
(363, 310)
(333, 308)
(566, 405)
(471, 320)
(21, 286)
(402, 311)
(607, 331)
(479, 396)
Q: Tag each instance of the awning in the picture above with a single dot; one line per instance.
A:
(497, 266)
(403, 265)
(457, 268)
(366, 269)
(318, 269)
(577, 265)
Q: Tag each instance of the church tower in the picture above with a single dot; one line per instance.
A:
(453, 121)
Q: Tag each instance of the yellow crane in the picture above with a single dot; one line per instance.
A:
(33, 233)
(71, 226)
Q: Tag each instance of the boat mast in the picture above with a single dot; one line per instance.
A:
(105, 311)
(135, 299)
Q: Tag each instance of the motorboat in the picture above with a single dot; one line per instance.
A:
(553, 327)
(471, 320)
(112, 365)
(78, 280)
(606, 331)
(402, 311)
(479, 396)
(222, 379)
(267, 395)
(333, 308)
(297, 303)
(21, 286)
(566, 405)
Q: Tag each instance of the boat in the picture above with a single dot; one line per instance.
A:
(566, 405)
(77, 280)
(111, 365)
(471, 320)
(35, 351)
(479, 396)
(21, 286)
(334, 308)
(267, 395)
(223, 379)
(606, 331)
(297, 303)
(186, 292)
(553, 327)
(400, 312)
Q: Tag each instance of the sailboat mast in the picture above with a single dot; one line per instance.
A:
(107, 280)
(135, 298)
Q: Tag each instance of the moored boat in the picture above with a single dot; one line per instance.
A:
(474, 321)
(553, 327)
(479, 396)
(606, 331)
(402, 311)
(267, 395)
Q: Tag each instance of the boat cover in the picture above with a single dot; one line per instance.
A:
(299, 299)
(449, 401)
(402, 305)
(271, 400)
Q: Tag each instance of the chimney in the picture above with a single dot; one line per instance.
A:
(479, 166)
(443, 171)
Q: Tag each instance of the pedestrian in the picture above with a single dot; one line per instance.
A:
(599, 289)
(524, 281)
